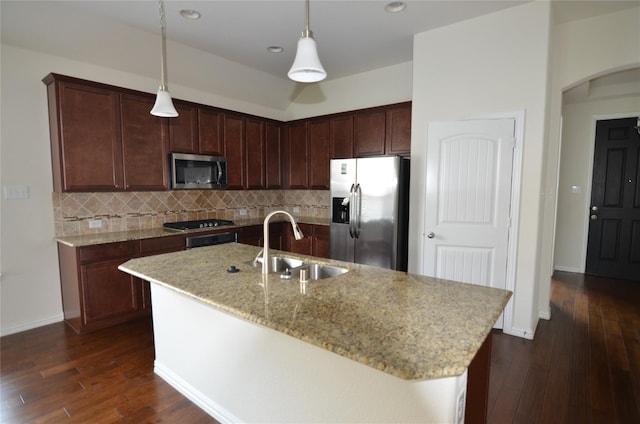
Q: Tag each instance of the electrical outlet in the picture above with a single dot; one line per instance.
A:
(296, 210)
(12, 192)
(243, 212)
(95, 223)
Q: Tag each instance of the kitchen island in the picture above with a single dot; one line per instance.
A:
(370, 345)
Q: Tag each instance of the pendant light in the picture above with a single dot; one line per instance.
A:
(306, 66)
(164, 105)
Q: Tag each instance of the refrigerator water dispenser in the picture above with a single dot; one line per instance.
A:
(340, 210)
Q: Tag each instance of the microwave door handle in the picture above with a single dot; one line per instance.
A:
(219, 179)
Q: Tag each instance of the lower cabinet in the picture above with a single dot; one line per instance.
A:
(315, 241)
(95, 293)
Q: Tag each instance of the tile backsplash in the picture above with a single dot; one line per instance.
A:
(125, 211)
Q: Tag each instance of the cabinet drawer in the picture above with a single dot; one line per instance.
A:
(103, 252)
(162, 244)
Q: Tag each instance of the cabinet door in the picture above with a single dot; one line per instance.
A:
(273, 156)
(319, 154)
(183, 130)
(369, 132)
(85, 138)
(107, 292)
(144, 145)
(297, 156)
(255, 136)
(321, 241)
(210, 131)
(398, 140)
(303, 246)
(234, 150)
(341, 137)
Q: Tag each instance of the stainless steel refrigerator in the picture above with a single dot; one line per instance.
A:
(370, 211)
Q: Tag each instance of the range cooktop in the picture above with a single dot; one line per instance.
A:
(192, 225)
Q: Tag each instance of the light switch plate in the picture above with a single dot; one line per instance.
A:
(18, 191)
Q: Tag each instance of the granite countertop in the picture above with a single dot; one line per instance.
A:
(410, 326)
(118, 236)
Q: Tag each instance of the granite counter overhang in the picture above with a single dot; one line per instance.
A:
(409, 326)
(120, 236)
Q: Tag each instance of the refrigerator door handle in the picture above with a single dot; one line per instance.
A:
(352, 206)
(358, 196)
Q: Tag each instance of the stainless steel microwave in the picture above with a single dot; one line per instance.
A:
(200, 172)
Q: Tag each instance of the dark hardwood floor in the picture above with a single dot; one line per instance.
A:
(582, 367)
(584, 364)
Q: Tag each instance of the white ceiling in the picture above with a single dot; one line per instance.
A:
(352, 36)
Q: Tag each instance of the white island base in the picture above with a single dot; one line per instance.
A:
(238, 371)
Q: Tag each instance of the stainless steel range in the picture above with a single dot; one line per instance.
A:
(194, 225)
(205, 239)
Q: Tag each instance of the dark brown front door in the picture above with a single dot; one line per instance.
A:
(613, 249)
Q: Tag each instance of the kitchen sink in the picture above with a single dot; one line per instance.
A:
(320, 271)
(315, 271)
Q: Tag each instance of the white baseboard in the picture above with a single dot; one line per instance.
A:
(194, 395)
(18, 328)
(567, 269)
(545, 314)
(518, 332)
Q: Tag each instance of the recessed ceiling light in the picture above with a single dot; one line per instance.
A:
(395, 6)
(190, 14)
(275, 49)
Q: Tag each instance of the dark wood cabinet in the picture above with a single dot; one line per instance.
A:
(341, 137)
(103, 138)
(273, 156)
(255, 156)
(234, 150)
(254, 235)
(315, 241)
(86, 149)
(297, 156)
(398, 139)
(144, 146)
(321, 241)
(369, 132)
(183, 129)
(210, 129)
(95, 294)
(318, 139)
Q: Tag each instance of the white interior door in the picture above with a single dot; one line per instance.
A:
(468, 198)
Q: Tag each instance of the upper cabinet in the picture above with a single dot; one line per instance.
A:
(383, 131)
(103, 138)
(143, 144)
(197, 129)
(98, 142)
(369, 132)
(341, 136)
(255, 157)
(319, 154)
(234, 150)
(398, 140)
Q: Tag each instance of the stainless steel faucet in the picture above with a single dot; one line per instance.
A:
(297, 233)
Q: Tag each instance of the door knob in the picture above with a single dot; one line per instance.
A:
(594, 208)
(594, 217)
(431, 235)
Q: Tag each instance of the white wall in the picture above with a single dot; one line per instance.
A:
(30, 287)
(582, 50)
(488, 65)
(392, 84)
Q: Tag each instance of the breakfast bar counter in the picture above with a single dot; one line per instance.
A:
(387, 328)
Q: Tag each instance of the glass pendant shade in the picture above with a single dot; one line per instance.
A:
(164, 105)
(306, 66)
